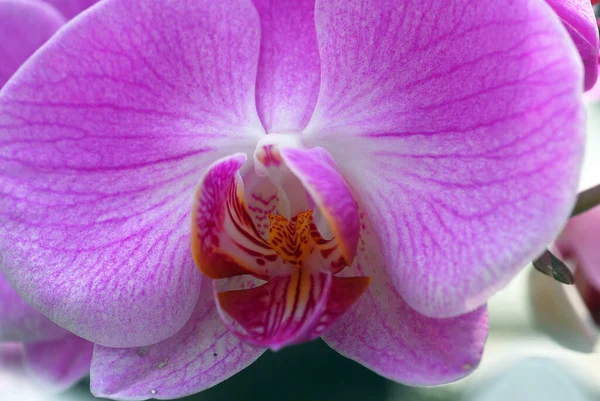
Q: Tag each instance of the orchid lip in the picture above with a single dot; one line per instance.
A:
(261, 225)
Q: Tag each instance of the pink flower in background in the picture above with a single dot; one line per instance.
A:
(579, 244)
(571, 315)
(593, 95)
(54, 356)
(369, 172)
(578, 18)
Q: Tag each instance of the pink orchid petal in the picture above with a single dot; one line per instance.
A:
(103, 137)
(580, 243)
(24, 26)
(463, 136)
(287, 84)
(385, 334)
(578, 18)
(20, 322)
(61, 363)
(70, 8)
(199, 356)
(317, 171)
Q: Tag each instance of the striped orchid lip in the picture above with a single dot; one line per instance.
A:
(261, 224)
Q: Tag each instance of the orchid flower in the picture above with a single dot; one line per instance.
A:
(369, 172)
(568, 314)
(55, 357)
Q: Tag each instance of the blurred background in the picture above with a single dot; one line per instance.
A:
(519, 363)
